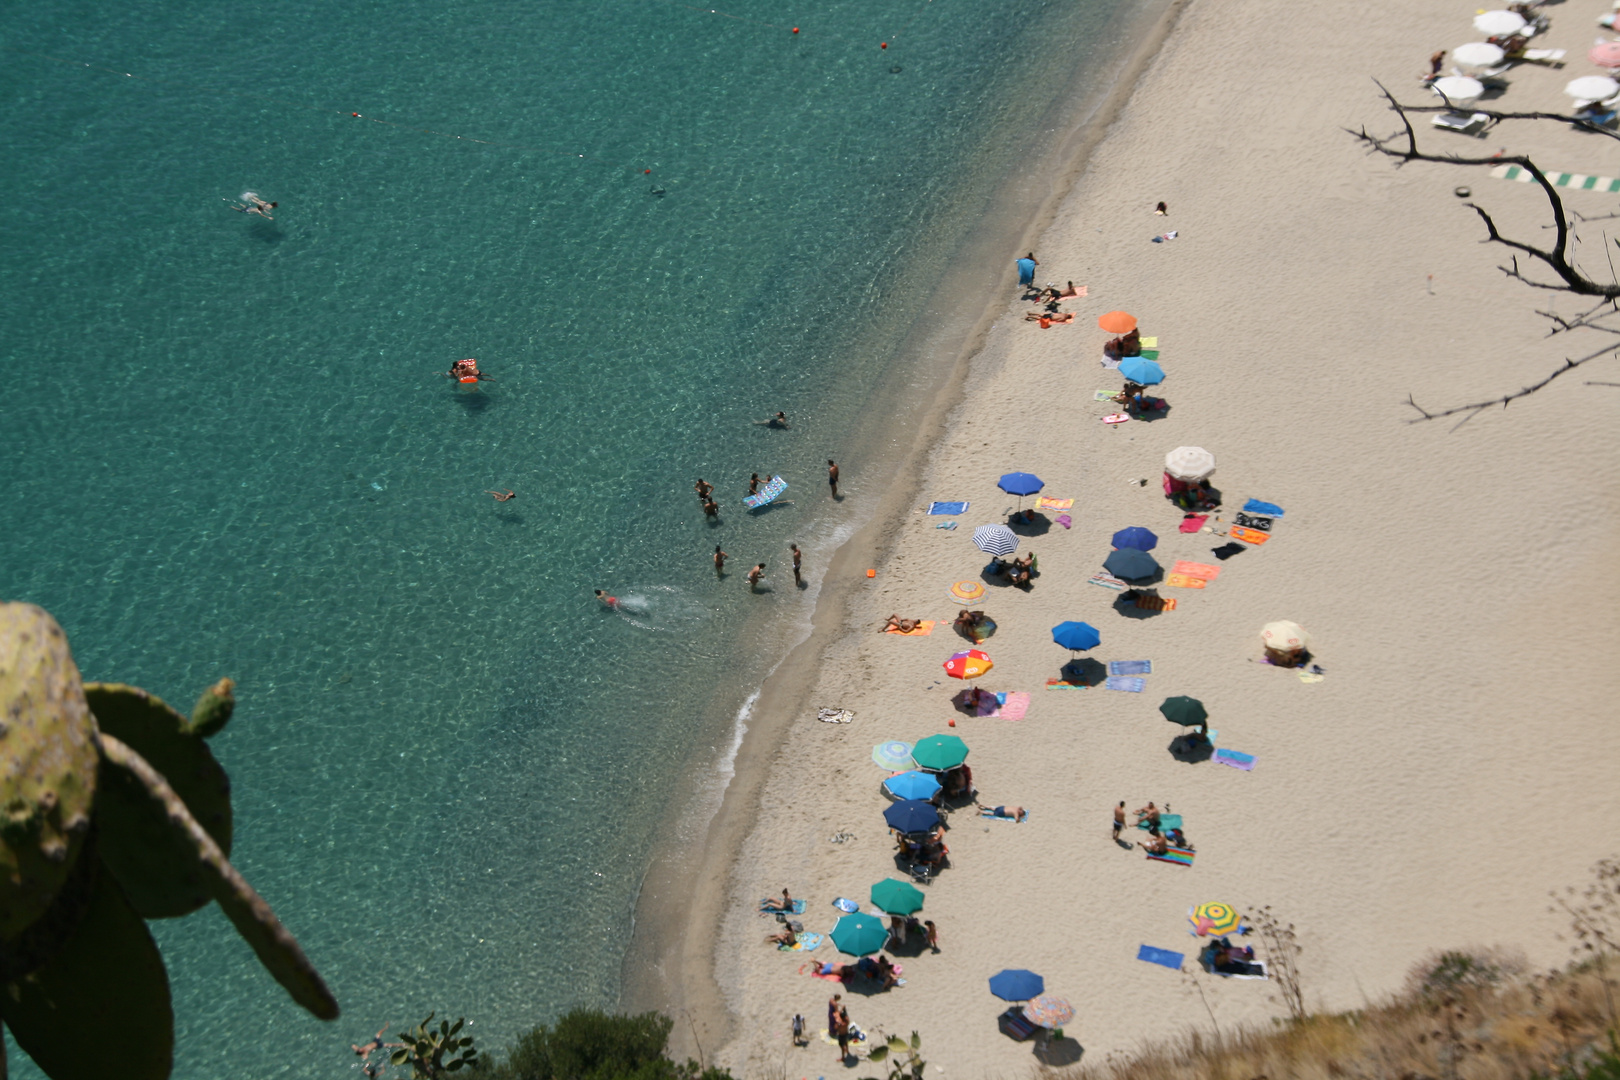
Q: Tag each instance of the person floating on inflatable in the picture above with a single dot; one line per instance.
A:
(466, 371)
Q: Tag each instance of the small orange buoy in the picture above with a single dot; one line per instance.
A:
(885, 45)
(795, 29)
(354, 114)
(644, 172)
(952, 723)
(469, 378)
(871, 573)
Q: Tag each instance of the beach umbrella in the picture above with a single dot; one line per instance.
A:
(1016, 984)
(773, 487)
(1049, 1012)
(1284, 636)
(1214, 919)
(1136, 537)
(912, 785)
(1191, 463)
(1592, 88)
(1458, 89)
(1476, 54)
(1131, 563)
(1605, 54)
(1020, 483)
(859, 934)
(893, 755)
(897, 897)
(995, 539)
(1117, 322)
(912, 815)
(1076, 635)
(1184, 710)
(939, 752)
(965, 592)
(1141, 370)
(1498, 23)
(968, 665)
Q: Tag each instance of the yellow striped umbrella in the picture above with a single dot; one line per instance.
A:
(1214, 918)
(965, 592)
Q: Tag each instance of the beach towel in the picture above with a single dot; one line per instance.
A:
(1063, 520)
(924, 628)
(1255, 506)
(772, 488)
(1043, 503)
(1156, 603)
(1171, 235)
(1111, 363)
(1248, 536)
(986, 813)
(1310, 676)
(1235, 759)
(946, 525)
(1197, 570)
(1150, 343)
(796, 909)
(1149, 354)
(1251, 966)
(846, 905)
(1104, 395)
(1176, 855)
(1166, 823)
(834, 716)
(947, 507)
(1191, 523)
(803, 943)
(1060, 684)
(1250, 522)
(1014, 708)
(1162, 957)
(1127, 683)
(1130, 667)
(1116, 418)
(1184, 581)
(1108, 581)
(1226, 551)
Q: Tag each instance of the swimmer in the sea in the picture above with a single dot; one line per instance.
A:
(502, 496)
(780, 420)
(464, 369)
(610, 601)
(252, 204)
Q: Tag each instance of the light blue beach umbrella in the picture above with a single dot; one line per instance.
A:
(1139, 370)
(1076, 635)
(893, 755)
(912, 785)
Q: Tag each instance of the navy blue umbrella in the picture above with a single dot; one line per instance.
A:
(1076, 635)
(1020, 483)
(1016, 984)
(1136, 537)
(1130, 563)
(911, 815)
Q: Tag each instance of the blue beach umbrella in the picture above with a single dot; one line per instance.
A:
(1139, 370)
(912, 785)
(1020, 483)
(1016, 984)
(893, 755)
(911, 816)
(1136, 537)
(1131, 563)
(1076, 635)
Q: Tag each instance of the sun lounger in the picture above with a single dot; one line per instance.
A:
(1544, 56)
(1462, 124)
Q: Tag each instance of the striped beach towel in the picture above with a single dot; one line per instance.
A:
(1155, 603)
(1129, 683)
(1578, 181)
(1043, 503)
(1235, 759)
(1130, 667)
(1176, 855)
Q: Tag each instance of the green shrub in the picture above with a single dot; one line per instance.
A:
(589, 1044)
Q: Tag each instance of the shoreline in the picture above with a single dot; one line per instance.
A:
(684, 891)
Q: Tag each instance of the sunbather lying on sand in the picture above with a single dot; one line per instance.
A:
(1049, 317)
(1154, 845)
(905, 626)
(785, 904)
(786, 937)
(1017, 813)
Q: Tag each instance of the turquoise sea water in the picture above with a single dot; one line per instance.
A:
(227, 450)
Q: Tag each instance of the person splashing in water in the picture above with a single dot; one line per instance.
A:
(252, 204)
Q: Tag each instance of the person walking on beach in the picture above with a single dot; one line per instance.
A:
(1119, 818)
(797, 555)
(719, 562)
(832, 476)
(754, 575)
(1026, 270)
(932, 933)
(703, 489)
(843, 1033)
(832, 1012)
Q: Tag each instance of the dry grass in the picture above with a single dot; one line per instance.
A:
(1520, 1026)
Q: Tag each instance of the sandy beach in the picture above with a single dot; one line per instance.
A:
(1448, 768)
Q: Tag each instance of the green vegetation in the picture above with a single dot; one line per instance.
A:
(113, 811)
(432, 1053)
(588, 1044)
(904, 1058)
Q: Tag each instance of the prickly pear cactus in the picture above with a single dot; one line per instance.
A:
(48, 765)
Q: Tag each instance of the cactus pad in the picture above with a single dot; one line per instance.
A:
(47, 765)
(100, 1008)
(213, 710)
(276, 949)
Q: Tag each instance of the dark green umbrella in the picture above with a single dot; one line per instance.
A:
(897, 897)
(860, 935)
(939, 752)
(1184, 710)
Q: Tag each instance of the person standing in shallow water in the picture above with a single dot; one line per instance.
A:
(703, 489)
(754, 575)
(797, 556)
(832, 476)
(719, 562)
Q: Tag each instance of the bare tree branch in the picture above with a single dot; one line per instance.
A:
(1478, 407)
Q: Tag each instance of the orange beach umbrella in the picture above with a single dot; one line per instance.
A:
(1117, 322)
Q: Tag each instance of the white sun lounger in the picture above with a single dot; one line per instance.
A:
(1460, 123)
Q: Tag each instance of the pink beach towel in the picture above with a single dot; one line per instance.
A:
(1193, 522)
(1016, 706)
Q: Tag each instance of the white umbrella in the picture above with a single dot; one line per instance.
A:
(995, 540)
(1477, 54)
(1284, 636)
(1592, 88)
(1190, 463)
(1497, 23)
(1459, 89)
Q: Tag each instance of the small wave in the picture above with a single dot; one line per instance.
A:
(662, 608)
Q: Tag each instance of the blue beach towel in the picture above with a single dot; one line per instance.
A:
(1166, 822)
(947, 507)
(1128, 683)
(846, 905)
(1255, 506)
(1235, 759)
(1130, 667)
(1162, 957)
(797, 909)
(1026, 271)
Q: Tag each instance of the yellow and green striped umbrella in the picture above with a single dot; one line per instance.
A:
(1214, 919)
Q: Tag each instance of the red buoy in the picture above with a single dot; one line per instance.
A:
(354, 114)
(885, 45)
(795, 29)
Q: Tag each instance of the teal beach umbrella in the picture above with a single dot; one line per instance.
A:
(897, 897)
(860, 935)
(939, 752)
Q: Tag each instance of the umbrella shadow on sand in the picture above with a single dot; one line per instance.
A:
(1147, 416)
(1191, 748)
(1036, 525)
(1056, 1053)
(1085, 671)
(1125, 604)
